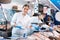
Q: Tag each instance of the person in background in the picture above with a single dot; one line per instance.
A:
(40, 8)
(47, 17)
(49, 21)
(11, 12)
(54, 13)
(45, 9)
(20, 21)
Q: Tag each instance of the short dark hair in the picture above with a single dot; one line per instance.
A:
(26, 5)
(46, 6)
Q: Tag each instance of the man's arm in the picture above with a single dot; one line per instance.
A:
(13, 22)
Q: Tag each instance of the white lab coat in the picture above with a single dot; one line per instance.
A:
(20, 20)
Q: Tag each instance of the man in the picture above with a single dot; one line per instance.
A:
(21, 21)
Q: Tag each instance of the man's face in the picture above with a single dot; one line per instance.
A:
(25, 9)
(45, 9)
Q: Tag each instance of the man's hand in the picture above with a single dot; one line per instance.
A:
(30, 26)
